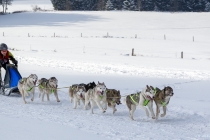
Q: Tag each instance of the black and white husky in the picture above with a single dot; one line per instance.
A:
(141, 99)
(97, 95)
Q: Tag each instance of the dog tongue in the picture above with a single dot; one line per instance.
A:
(149, 97)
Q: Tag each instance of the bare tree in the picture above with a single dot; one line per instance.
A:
(4, 4)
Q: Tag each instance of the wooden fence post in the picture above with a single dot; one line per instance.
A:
(164, 37)
(132, 52)
(3, 33)
(182, 55)
(107, 35)
(54, 34)
(81, 34)
(193, 38)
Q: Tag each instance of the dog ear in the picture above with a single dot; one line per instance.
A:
(152, 87)
(148, 87)
(98, 82)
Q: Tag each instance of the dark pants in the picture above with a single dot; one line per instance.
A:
(4, 65)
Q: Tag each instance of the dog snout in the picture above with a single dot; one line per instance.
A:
(118, 102)
(172, 94)
(102, 92)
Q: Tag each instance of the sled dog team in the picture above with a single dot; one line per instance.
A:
(99, 95)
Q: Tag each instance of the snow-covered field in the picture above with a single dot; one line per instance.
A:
(81, 47)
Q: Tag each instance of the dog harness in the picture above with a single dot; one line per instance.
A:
(52, 89)
(30, 88)
(42, 85)
(132, 97)
(163, 103)
(147, 101)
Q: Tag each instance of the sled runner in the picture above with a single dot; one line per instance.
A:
(9, 85)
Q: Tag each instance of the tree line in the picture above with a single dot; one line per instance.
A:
(133, 5)
(4, 4)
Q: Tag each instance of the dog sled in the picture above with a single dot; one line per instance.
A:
(9, 85)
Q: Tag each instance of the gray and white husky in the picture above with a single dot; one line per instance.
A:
(97, 95)
(78, 94)
(27, 85)
(141, 99)
(42, 82)
(47, 87)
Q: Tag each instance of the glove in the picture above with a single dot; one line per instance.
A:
(15, 63)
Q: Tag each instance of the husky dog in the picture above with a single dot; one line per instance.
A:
(27, 85)
(42, 82)
(50, 86)
(143, 98)
(71, 91)
(96, 95)
(162, 98)
(78, 94)
(88, 86)
(113, 97)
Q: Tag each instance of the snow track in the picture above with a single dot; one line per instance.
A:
(188, 125)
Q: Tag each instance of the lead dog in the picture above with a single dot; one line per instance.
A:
(27, 85)
(113, 97)
(141, 99)
(162, 98)
(96, 95)
(48, 87)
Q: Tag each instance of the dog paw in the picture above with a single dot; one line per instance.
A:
(162, 115)
(153, 117)
(132, 118)
(104, 111)
(58, 101)
(32, 100)
(114, 111)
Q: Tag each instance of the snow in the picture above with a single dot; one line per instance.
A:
(96, 56)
